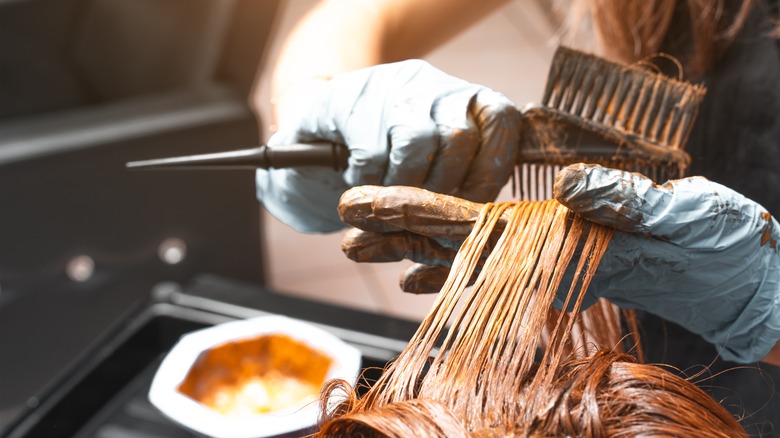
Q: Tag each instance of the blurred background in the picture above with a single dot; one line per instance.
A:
(87, 85)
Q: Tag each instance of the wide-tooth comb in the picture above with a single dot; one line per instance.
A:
(600, 112)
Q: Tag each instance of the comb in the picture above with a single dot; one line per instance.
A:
(593, 111)
(260, 157)
(600, 112)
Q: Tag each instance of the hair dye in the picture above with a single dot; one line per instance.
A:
(485, 378)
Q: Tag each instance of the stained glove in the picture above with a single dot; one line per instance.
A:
(396, 223)
(405, 123)
(690, 251)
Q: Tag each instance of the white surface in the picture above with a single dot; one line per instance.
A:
(164, 395)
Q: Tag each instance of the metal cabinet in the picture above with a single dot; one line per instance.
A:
(86, 85)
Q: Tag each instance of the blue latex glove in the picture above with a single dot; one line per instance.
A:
(692, 251)
(404, 123)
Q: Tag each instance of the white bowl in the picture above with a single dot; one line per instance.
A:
(164, 393)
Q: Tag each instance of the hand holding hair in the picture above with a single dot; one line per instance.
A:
(399, 222)
(691, 251)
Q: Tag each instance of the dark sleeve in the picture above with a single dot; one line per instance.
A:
(736, 139)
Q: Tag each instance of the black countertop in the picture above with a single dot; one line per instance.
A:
(103, 393)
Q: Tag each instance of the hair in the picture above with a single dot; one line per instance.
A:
(629, 31)
(485, 378)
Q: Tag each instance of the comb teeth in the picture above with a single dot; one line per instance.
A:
(535, 181)
(599, 112)
(629, 99)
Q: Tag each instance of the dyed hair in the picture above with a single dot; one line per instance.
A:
(605, 395)
(485, 378)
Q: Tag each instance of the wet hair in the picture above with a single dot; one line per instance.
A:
(485, 377)
(607, 394)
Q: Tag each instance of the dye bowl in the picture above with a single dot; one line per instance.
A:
(252, 378)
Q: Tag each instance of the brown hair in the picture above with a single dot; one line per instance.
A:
(631, 31)
(484, 379)
(608, 395)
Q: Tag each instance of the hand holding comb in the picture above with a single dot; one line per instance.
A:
(593, 111)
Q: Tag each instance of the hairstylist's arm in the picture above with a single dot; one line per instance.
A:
(404, 123)
(774, 355)
(338, 36)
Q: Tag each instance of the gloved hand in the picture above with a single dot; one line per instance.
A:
(691, 251)
(396, 223)
(405, 123)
